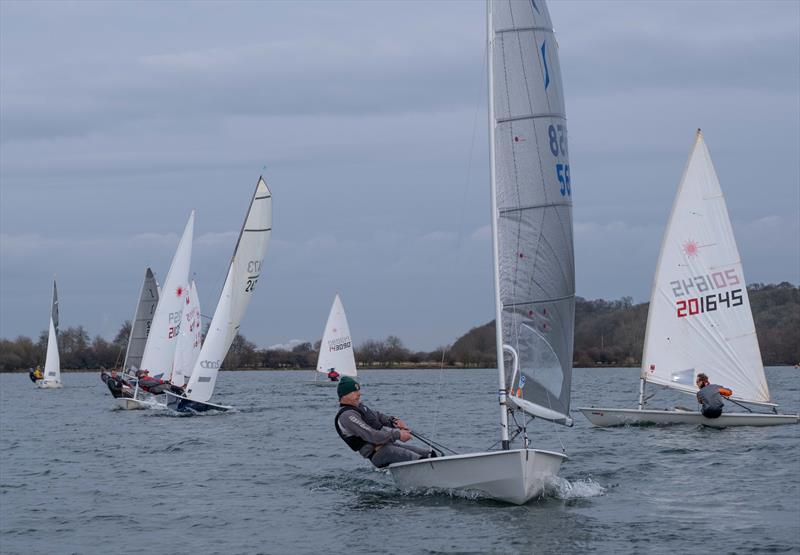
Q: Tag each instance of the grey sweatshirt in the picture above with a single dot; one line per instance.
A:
(351, 424)
(709, 397)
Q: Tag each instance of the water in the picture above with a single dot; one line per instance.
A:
(273, 477)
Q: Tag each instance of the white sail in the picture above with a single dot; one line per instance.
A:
(190, 338)
(336, 349)
(142, 320)
(159, 351)
(699, 318)
(535, 278)
(52, 361)
(240, 284)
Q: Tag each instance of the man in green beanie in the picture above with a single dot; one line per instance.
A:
(372, 433)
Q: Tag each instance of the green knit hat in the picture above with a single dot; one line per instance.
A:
(347, 385)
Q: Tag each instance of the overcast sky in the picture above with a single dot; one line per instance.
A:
(368, 121)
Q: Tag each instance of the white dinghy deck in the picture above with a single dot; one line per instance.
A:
(649, 417)
(514, 476)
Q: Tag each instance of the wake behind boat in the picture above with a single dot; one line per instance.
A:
(699, 319)
(240, 284)
(533, 259)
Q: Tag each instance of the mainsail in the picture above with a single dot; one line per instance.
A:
(52, 361)
(240, 284)
(142, 319)
(532, 224)
(699, 318)
(189, 341)
(159, 351)
(336, 349)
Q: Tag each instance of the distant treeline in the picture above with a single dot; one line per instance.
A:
(607, 333)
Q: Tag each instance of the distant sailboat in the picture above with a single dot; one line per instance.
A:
(533, 258)
(159, 350)
(336, 349)
(142, 320)
(162, 335)
(699, 319)
(52, 363)
(190, 338)
(240, 284)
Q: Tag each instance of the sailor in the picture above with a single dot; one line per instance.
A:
(154, 385)
(37, 374)
(117, 385)
(371, 433)
(333, 375)
(31, 375)
(710, 397)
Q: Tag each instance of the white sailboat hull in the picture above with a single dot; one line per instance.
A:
(514, 476)
(48, 385)
(634, 417)
(128, 403)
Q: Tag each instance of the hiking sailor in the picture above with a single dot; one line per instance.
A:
(710, 397)
(333, 375)
(371, 433)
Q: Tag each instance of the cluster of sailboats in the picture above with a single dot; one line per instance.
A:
(699, 317)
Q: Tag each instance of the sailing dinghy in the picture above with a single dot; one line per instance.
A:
(534, 277)
(699, 319)
(336, 350)
(52, 362)
(137, 339)
(240, 284)
(159, 349)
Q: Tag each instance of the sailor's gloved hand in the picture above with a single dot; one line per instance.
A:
(399, 424)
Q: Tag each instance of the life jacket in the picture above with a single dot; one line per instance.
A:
(354, 442)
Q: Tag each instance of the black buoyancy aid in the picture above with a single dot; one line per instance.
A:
(354, 442)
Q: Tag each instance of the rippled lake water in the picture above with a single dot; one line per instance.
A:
(77, 476)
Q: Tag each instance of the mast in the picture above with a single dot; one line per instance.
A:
(498, 322)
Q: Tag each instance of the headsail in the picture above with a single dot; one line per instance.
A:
(533, 209)
(240, 284)
(159, 350)
(142, 320)
(699, 318)
(336, 349)
(52, 361)
(189, 341)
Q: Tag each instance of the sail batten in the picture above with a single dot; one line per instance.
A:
(532, 210)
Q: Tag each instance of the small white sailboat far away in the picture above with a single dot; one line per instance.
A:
(51, 378)
(159, 349)
(699, 319)
(336, 349)
(534, 276)
(240, 284)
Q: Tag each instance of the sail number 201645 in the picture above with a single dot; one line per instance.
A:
(708, 303)
(557, 135)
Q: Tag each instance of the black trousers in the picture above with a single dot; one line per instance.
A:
(712, 413)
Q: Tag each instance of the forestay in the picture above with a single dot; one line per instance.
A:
(240, 284)
(336, 349)
(699, 318)
(533, 214)
(190, 338)
(142, 320)
(52, 361)
(159, 350)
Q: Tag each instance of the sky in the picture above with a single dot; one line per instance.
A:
(368, 121)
